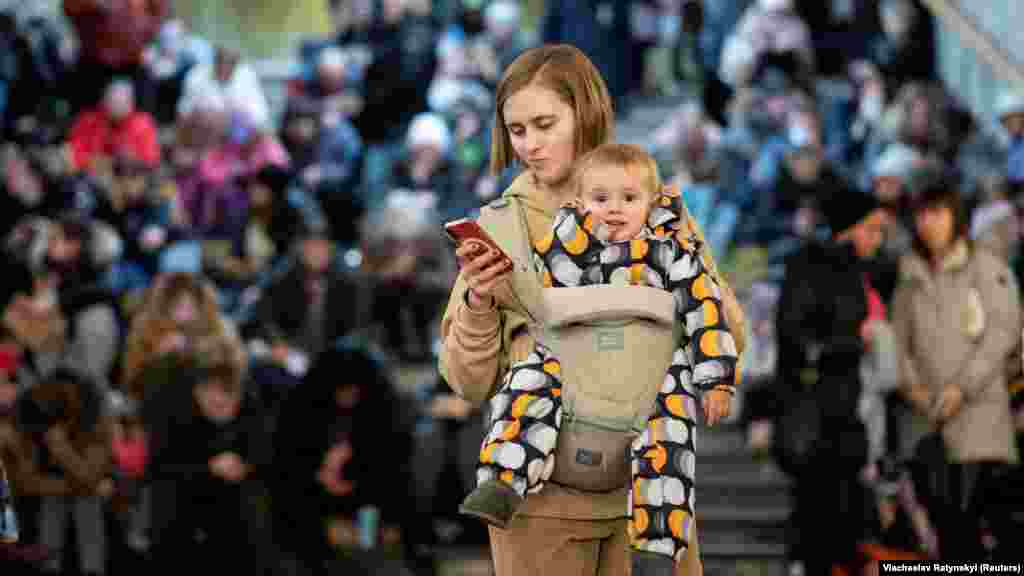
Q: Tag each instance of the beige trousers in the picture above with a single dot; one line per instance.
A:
(533, 546)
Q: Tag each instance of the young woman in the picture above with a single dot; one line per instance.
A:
(957, 319)
(552, 107)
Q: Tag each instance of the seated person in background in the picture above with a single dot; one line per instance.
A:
(209, 458)
(329, 94)
(65, 422)
(114, 128)
(355, 457)
(232, 79)
(307, 307)
(410, 267)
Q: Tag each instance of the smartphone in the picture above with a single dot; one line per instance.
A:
(465, 230)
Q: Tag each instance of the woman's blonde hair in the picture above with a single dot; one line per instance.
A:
(568, 72)
(622, 155)
(153, 322)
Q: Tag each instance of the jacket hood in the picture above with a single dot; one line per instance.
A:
(523, 189)
(914, 266)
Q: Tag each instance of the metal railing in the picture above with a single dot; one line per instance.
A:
(980, 50)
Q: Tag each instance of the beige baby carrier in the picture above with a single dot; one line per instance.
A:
(615, 344)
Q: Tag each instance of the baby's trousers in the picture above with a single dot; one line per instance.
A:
(526, 415)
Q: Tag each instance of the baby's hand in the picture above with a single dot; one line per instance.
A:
(717, 405)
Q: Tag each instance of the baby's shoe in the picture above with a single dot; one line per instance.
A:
(494, 502)
(652, 564)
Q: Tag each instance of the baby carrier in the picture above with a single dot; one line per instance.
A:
(615, 345)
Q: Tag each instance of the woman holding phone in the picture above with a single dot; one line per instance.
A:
(552, 106)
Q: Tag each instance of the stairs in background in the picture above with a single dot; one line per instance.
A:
(742, 506)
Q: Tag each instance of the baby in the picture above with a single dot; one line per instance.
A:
(621, 229)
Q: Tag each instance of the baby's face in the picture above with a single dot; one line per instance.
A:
(616, 197)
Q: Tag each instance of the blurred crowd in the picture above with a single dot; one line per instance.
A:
(205, 296)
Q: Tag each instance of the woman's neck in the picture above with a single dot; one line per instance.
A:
(559, 193)
(938, 257)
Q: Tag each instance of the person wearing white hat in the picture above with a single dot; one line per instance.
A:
(775, 5)
(889, 176)
(429, 130)
(1010, 111)
(427, 167)
(237, 81)
(891, 170)
(502, 40)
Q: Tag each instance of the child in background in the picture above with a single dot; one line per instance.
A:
(1010, 111)
(130, 454)
(9, 358)
(625, 225)
(208, 449)
(65, 420)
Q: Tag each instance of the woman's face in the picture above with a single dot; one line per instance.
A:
(347, 396)
(8, 392)
(63, 248)
(542, 129)
(216, 403)
(1014, 124)
(259, 195)
(919, 117)
(184, 309)
(935, 227)
(21, 181)
(316, 254)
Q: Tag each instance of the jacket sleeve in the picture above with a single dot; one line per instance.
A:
(90, 465)
(26, 476)
(145, 140)
(1001, 297)
(913, 389)
(699, 305)
(793, 315)
(734, 315)
(82, 140)
(344, 152)
(471, 346)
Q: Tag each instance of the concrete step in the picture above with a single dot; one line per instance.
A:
(719, 566)
(762, 560)
(724, 516)
(763, 486)
(735, 465)
(743, 496)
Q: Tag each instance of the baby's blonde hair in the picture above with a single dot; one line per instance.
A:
(625, 156)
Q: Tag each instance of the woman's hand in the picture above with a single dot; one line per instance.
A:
(450, 406)
(229, 467)
(950, 402)
(918, 396)
(58, 442)
(331, 476)
(717, 405)
(483, 271)
(105, 489)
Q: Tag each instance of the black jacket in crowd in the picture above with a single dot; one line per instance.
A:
(821, 308)
(311, 422)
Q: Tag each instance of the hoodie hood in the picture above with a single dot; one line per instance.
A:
(536, 202)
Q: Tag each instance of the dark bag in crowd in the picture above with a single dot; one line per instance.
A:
(797, 433)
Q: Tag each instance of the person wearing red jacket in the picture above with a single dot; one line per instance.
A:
(112, 36)
(114, 129)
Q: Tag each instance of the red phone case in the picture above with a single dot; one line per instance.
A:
(466, 230)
